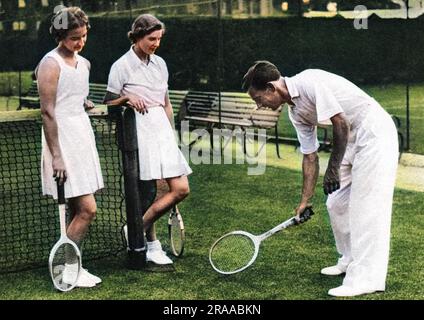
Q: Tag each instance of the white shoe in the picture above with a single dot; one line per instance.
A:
(70, 274)
(155, 253)
(87, 274)
(333, 270)
(345, 291)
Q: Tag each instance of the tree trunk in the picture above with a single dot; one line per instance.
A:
(241, 6)
(265, 8)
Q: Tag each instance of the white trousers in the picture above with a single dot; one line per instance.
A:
(360, 211)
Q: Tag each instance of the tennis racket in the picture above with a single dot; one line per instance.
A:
(65, 257)
(176, 232)
(237, 250)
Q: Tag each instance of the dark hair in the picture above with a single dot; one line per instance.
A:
(143, 25)
(67, 19)
(259, 75)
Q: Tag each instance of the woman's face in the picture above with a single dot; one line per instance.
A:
(75, 39)
(149, 43)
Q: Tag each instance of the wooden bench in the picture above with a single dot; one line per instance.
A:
(325, 144)
(97, 91)
(202, 108)
(30, 99)
(211, 110)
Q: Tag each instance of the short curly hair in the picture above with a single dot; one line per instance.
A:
(143, 25)
(67, 19)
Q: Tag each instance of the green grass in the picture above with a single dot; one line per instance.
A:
(8, 103)
(9, 88)
(9, 82)
(224, 198)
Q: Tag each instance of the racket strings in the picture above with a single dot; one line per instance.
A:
(70, 255)
(64, 261)
(232, 253)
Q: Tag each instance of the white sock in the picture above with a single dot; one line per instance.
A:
(154, 245)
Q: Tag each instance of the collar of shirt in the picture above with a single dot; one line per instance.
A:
(293, 92)
(291, 87)
(135, 61)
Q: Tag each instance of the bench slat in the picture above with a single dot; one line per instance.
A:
(242, 111)
(229, 113)
(234, 108)
(234, 122)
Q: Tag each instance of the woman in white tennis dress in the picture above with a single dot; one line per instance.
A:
(75, 134)
(69, 151)
(140, 79)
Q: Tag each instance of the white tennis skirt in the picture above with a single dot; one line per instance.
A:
(159, 155)
(78, 148)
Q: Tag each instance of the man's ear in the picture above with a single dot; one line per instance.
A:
(271, 86)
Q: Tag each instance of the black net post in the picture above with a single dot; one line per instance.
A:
(220, 68)
(408, 56)
(129, 148)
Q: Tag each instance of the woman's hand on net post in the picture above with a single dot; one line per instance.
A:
(90, 107)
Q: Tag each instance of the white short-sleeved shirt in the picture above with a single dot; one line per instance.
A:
(130, 75)
(319, 95)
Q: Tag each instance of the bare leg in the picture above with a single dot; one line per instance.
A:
(178, 190)
(151, 233)
(83, 210)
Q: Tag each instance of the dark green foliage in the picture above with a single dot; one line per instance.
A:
(378, 54)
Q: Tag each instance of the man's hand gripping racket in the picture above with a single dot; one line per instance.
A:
(237, 250)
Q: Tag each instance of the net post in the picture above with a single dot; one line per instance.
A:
(129, 148)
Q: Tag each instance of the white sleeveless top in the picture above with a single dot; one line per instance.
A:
(75, 134)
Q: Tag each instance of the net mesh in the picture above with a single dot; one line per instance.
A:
(232, 252)
(28, 220)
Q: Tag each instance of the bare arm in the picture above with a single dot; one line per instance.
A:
(48, 76)
(113, 99)
(168, 110)
(310, 169)
(341, 130)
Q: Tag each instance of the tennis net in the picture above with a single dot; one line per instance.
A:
(29, 224)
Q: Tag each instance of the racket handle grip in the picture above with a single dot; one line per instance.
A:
(60, 192)
(305, 215)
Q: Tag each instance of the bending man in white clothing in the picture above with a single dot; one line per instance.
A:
(361, 172)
